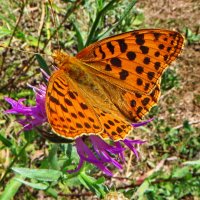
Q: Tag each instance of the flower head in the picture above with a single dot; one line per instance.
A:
(34, 115)
(100, 153)
(103, 153)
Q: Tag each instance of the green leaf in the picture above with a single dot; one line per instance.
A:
(12, 187)
(42, 63)
(100, 180)
(193, 163)
(191, 37)
(7, 20)
(5, 141)
(39, 186)
(141, 190)
(187, 126)
(126, 12)
(180, 172)
(4, 32)
(53, 157)
(39, 174)
(92, 184)
(79, 37)
(69, 150)
(98, 18)
(139, 19)
(30, 135)
(32, 41)
(52, 192)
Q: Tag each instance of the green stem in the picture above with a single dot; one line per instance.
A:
(96, 22)
(128, 9)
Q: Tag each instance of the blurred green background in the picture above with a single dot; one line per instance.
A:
(169, 165)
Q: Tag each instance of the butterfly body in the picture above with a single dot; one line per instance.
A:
(82, 77)
(109, 84)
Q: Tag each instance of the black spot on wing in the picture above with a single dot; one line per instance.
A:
(140, 39)
(108, 67)
(110, 47)
(157, 65)
(150, 75)
(131, 55)
(156, 35)
(144, 49)
(145, 101)
(102, 53)
(83, 106)
(161, 46)
(139, 69)
(123, 74)
(63, 108)
(68, 102)
(157, 54)
(133, 103)
(146, 60)
(71, 94)
(122, 45)
(57, 91)
(139, 81)
(54, 100)
(116, 62)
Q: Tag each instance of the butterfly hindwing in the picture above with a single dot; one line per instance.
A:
(137, 105)
(133, 106)
(67, 110)
(115, 126)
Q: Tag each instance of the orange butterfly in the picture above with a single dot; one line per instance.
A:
(110, 83)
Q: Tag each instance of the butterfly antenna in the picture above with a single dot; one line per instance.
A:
(54, 22)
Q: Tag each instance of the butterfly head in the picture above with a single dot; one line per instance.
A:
(61, 59)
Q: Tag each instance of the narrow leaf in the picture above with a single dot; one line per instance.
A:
(126, 12)
(79, 37)
(39, 174)
(5, 141)
(42, 63)
(11, 189)
(39, 186)
(194, 162)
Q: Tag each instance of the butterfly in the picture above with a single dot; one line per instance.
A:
(109, 84)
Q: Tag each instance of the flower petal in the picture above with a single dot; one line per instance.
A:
(130, 144)
(135, 125)
(87, 155)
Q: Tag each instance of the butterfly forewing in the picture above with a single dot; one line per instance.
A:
(135, 60)
(67, 111)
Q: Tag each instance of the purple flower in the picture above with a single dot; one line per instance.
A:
(100, 154)
(34, 115)
(103, 153)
